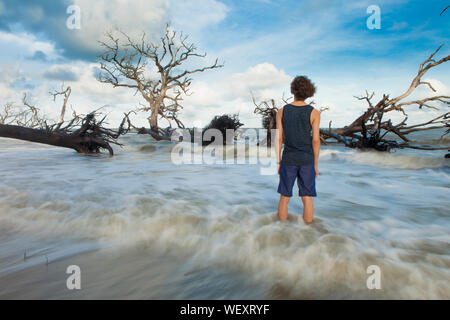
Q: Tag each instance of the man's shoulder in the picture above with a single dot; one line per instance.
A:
(315, 116)
(314, 111)
(280, 112)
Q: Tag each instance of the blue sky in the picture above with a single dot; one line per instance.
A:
(263, 44)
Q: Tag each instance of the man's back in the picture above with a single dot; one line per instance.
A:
(297, 130)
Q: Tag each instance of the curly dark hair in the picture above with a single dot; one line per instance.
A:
(302, 88)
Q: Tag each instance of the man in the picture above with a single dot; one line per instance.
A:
(298, 128)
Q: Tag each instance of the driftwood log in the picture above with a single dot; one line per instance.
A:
(370, 129)
(373, 129)
(91, 137)
(82, 133)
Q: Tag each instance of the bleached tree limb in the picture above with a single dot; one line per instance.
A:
(125, 64)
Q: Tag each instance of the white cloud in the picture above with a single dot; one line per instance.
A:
(25, 44)
(226, 95)
(100, 16)
(87, 95)
(344, 108)
(9, 75)
(423, 91)
(441, 89)
(306, 47)
(233, 94)
(7, 94)
(61, 73)
(257, 78)
(194, 15)
(134, 18)
(398, 26)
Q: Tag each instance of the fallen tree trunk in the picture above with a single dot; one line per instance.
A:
(91, 137)
(83, 134)
(370, 130)
(161, 135)
(82, 144)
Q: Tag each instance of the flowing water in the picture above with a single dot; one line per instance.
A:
(140, 226)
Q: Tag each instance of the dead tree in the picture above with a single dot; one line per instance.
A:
(268, 110)
(373, 129)
(222, 123)
(82, 133)
(125, 62)
(370, 130)
(25, 115)
(66, 93)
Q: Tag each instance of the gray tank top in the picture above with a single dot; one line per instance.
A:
(297, 132)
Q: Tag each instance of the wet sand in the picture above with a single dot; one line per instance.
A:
(133, 273)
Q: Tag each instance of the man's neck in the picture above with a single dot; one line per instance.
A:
(299, 103)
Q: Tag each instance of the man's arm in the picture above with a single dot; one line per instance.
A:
(279, 137)
(315, 123)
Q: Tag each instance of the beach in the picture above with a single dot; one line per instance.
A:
(141, 227)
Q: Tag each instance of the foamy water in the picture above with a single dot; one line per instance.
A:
(390, 210)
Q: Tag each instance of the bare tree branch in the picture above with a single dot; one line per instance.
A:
(82, 133)
(268, 110)
(66, 93)
(373, 129)
(370, 130)
(127, 63)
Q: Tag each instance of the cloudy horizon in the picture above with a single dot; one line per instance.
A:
(262, 43)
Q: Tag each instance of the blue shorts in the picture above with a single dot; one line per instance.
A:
(306, 180)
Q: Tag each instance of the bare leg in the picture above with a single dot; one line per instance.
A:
(283, 207)
(308, 209)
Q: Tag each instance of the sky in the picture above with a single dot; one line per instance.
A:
(263, 44)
